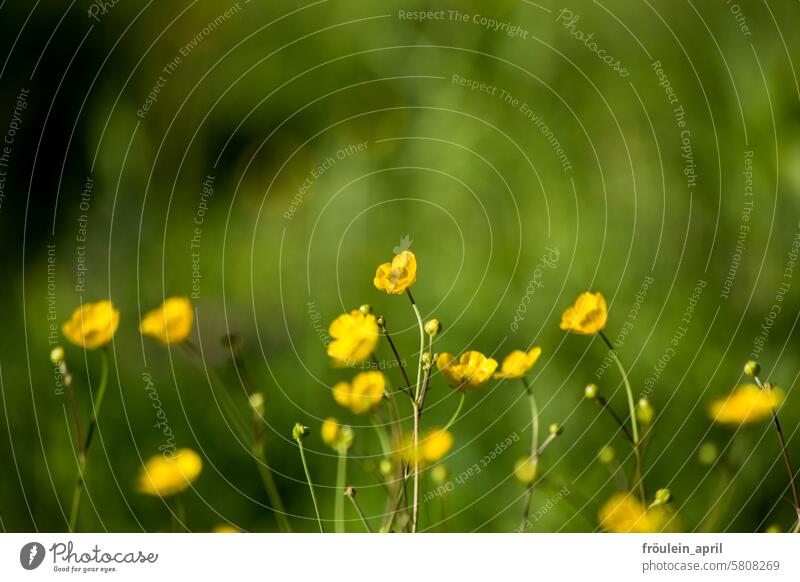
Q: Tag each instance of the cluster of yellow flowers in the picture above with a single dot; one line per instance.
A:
(355, 337)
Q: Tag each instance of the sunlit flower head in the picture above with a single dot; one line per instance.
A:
(518, 363)
(587, 315)
(355, 336)
(747, 404)
(171, 322)
(92, 325)
(395, 277)
(335, 435)
(363, 394)
(624, 513)
(226, 528)
(434, 444)
(469, 371)
(163, 476)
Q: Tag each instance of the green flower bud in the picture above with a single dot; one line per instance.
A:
(752, 368)
(257, 403)
(350, 492)
(607, 455)
(366, 309)
(299, 432)
(556, 429)
(525, 470)
(57, 355)
(707, 453)
(433, 327)
(644, 411)
(386, 467)
(663, 496)
(591, 391)
(381, 321)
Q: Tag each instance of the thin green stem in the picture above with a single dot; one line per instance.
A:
(534, 408)
(417, 390)
(607, 407)
(310, 484)
(341, 480)
(359, 512)
(632, 412)
(84, 448)
(397, 358)
(268, 480)
(457, 413)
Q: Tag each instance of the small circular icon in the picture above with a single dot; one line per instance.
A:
(31, 555)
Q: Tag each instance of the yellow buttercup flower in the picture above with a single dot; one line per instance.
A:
(434, 444)
(355, 336)
(364, 394)
(623, 513)
(395, 277)
(747, 404)
(469, 371)
(171, 322)
(518, 363)
(163, 476)
(92, 325)
(587, 315)
(226, 528)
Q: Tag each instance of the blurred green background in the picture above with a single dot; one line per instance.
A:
(262, 96)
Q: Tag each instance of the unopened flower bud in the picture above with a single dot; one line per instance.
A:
(381, 321)
(366, 309)
(433, 327)
(707, 453)
(299, 432)
(607, 455)
(591, 391)
(57, 355)
(257, 403)
(752, 368)
(439, 474)
(644, 411)
(556, 429)
(350, 491)
(385, 467)
(427, 361)
(525, 470)
(663, 496)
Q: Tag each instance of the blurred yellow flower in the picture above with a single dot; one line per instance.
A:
(587, 315)
(395, 277)
(469, 371)
(92, 325)
(355, 336)
(747, 404)
(169, 323)
(364, 394)
(623, 513)
(517, 363)
(163, 476)
(434, 444)
(335, 435)
(226, 528)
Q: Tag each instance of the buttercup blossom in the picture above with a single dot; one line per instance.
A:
(92, 325)
(164, 476)
(587, 315)
(395, 277)
(623, 513)
(518, 363)
(226, 528)
(469, 371)
(355, 336)
(364, 394)
(747, 404)
(169, 323)
(434, 444)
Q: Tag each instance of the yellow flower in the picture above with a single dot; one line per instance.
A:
(587, 315)
(364, 394)
(395, 277)
(747, 404)
(163, 476)
(623, 513)
(171, 322)
(434, 444)
(517, 363)
(335, 435)
(226, 528)
(469, 371)
(355, 336)
(92, 325)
